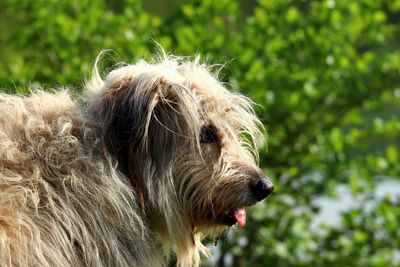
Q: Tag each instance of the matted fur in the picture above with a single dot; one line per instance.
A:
(131, 180)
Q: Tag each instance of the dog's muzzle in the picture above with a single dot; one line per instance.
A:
(259, 187)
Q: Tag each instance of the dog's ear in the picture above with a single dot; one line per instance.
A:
(143, 121)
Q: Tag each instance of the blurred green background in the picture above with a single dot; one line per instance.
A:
(326, 75)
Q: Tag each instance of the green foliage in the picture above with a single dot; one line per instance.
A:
(326, 77)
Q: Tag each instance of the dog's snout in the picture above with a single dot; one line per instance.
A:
(261, 188)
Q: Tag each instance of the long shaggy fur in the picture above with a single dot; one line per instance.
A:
(162, 152)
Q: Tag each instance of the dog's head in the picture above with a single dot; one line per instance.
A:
(185, 142)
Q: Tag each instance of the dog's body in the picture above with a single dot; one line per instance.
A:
(155, 162)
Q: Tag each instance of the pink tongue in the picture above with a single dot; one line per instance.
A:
(240, 215)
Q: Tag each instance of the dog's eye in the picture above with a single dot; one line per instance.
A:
(208, 134)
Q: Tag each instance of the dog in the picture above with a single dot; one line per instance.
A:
(157, 155)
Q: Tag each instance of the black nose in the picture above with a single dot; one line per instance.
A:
(262, 188)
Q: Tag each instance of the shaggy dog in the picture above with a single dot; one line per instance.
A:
(161, 155)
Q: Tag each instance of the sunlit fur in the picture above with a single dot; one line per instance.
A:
(125, 182)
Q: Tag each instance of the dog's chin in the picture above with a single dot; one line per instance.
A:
(228, 220)
(227, 216)
(235, 214)
(220, 220)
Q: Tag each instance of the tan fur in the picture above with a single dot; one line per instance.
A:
(128, 182)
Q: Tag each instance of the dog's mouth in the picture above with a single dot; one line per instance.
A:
(234, 215)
